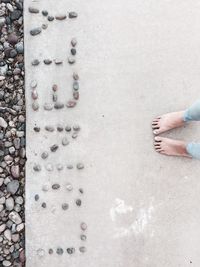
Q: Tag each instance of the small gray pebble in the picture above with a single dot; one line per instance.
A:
(33, 84)
(82, 249)
(37, 197)
(76, 127)
(80, 166)
(49, 167)
(35, 31)
(69, 187)
(74, 42)
(59, 167)
(34, 94)
(48, 106)
(73, 51)
(49, 128)
(55, 186)
(47, 61)
(33, 10)
(65, 141)
(45, 13)
(60, 128)
(36, 129)
(70, 166)
(35, 106)
(54, 97)
(44, 205)
(83, 237)
(71, 60)
(50, 251)
(50, 18)
(68, 128)
(65, 206)
(44, 26)
(73, 15)
(74, 135)
(37, 167)
(54, 148)
(76, 86)
(44, 155)
(58, 61)
(58, 105)
(81, 190)
(75, 76)
(45, 188)
(83, 226)
(78, 202)
(70, 250)
(35, 62)
(59, 251)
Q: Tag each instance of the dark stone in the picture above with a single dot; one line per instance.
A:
(76, 86)
(73, 51)
(58, 105)
(81, 190)
(68, 128)
(65, 206)
(76, 95)
(50, 18)
(47, 61)
(35, 62)
(37, 197)
(13, 53)
(59, 251)
(73, 15)
(78, 202)
(70, 250)
(16, 14)
(74, 42)
(45, 13)
(50, 251)
(35, 31)
(54, 148)
(83, 237)
(36, 129)
(44, 205)
(13, 187)
(12, 38)
(55, 186)
(33, 10)
(82, 249)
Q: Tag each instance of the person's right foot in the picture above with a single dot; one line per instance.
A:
(167, 122)
(170, 147)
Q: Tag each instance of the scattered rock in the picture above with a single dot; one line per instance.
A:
(54, 148)
(83, 226)
(50, 251)
(78, 202)
(44, 205)
(47, 61)
(80, 166)
(48, 106)
(3, 123)
(74, 42)
(82, 249)
(65, 206)
(35, 106)
(73, 15)
(37, 167)
(50, 18)
(58, 105)
(76, 86)
(69, 187)
(33, 10)
(61, 17)
(45, 13)
(44, 155)
(35, 62)
(71, 60)
(37, 197)
(83, 237)
(59, 251)
(55, 186)
(71, 104)
(65, 141)
(73, 51)
(13, 186)
(70, 250)
(35, 31)
(49, 128)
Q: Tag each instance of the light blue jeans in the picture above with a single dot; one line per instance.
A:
(193, 114)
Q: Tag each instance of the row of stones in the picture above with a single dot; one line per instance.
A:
(59, 128)
(60, 251)
(71, 59)
(59, 166)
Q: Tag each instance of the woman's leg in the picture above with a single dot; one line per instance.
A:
(193, 149)
(193, 112)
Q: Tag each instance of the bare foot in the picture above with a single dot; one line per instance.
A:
(167, 122)
(170, 147)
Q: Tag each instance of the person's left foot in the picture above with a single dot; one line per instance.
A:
(170, 147)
